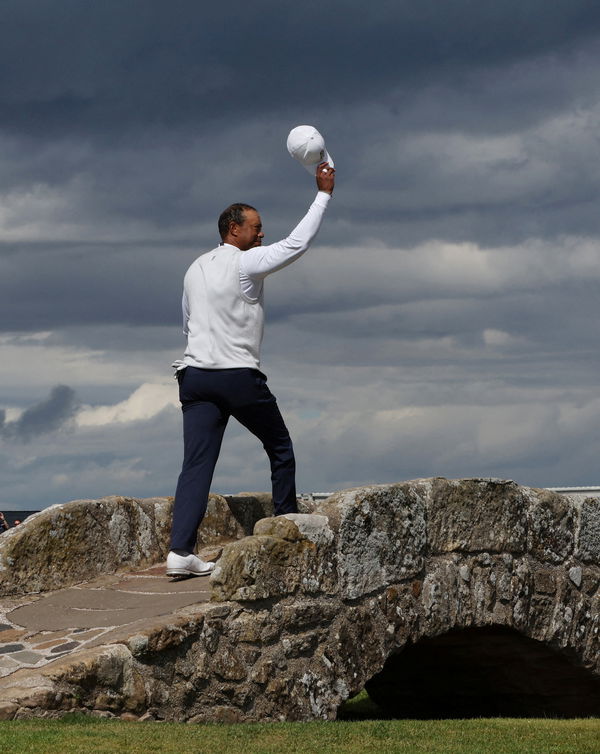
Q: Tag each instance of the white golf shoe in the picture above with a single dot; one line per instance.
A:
(187, 565)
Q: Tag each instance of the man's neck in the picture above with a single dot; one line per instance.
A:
(228, 242)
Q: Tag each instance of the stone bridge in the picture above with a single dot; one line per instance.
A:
(442, 597)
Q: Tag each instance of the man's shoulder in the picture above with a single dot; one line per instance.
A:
(222, 250)
(203, 256)
(223, 253)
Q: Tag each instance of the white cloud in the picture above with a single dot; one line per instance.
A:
(12, 414)
(128, 472)
(352, 278)
(58, 362)
(553, 158)
(34, 338)
(143, 404)
(500, 338)
(523, 440)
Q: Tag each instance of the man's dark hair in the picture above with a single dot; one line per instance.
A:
(233, 214)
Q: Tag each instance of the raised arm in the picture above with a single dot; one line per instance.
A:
(260, 261)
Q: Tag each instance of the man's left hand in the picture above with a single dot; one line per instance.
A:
(325, 177)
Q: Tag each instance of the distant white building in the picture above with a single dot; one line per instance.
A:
(314, 497)
(579, 493)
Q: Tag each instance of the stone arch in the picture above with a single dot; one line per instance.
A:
(483, 672)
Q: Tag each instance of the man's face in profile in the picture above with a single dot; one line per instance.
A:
(249, 234)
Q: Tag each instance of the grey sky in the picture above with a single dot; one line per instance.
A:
(445, 320)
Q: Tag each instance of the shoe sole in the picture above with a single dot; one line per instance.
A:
(183, 573)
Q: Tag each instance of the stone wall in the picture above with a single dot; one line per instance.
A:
(311, 606)
(77, 541)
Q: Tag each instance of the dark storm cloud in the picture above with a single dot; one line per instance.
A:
(106, 67)
(94, 86)
(46, 416)
(51, 286)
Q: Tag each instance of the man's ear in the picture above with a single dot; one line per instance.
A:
(233, 227)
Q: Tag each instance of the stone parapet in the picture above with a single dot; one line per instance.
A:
(73, 542)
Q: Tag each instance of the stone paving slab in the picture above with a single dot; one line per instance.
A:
(105, 607)
(142, 585)
(38, 629)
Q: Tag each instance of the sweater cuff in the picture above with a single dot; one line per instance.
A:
(322, 198)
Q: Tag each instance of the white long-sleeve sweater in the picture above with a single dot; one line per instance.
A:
(223, 314)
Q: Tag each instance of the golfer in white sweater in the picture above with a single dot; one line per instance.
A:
(219, 375)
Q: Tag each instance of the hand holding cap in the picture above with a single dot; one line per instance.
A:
(325, 176)
(305, 144)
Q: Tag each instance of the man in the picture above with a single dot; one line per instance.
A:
(219, 375)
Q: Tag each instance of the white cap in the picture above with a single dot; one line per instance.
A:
(306, 145)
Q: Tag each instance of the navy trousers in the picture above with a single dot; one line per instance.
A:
(208, 398)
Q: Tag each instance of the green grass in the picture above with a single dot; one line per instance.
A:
(79, 735)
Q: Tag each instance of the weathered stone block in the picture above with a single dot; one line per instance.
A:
(470, 515)
(296, 646)
(380, 535)
(576, 575)
(541, 610)
(440, 589)
(241, 574)
(218, 714)
(307, 614)
(8, 710)
(589, 532)
(280, 562)
(262, 672)
(248, 627)
(44, 698)
(217, 611)
(280, 527)
(229, 664)
(544, 581)
(108, 700)
(551, 527)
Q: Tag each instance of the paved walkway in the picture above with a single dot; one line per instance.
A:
(38, 628)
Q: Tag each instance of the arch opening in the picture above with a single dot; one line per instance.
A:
(484, 672)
